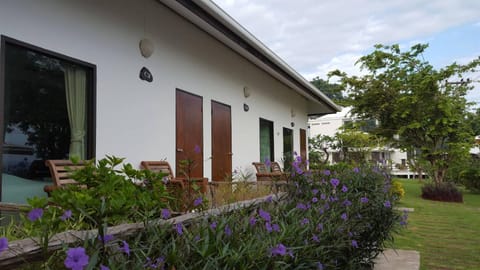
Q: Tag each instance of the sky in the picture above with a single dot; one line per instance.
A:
(317, 36)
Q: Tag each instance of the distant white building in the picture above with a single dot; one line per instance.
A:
(331, 124)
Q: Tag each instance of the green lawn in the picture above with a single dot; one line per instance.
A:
(447, 235)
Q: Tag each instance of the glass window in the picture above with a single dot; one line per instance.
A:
(287, 148)
(45, 116)
(266, 140)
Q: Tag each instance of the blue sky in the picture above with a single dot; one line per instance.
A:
(315, 37)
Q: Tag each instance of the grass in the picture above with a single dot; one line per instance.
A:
(447, 235)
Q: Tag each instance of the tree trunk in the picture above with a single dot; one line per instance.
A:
(327, 154)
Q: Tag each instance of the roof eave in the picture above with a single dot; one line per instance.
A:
(212, 19)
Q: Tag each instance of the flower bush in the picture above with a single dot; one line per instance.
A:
(326, 220)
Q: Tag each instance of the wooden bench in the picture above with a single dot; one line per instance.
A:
(264, 174)
(61, 171)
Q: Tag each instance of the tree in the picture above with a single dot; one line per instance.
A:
(354, 144)
(474, 121)
(318, 149)
(413, 101)
(331, 90)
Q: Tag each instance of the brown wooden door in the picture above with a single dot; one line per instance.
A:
(221, 141)
(303, 144)
(189, 134)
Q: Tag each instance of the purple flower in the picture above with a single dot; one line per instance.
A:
(103, 267)
(125, 248)
(228, 231)
(198, 201)
(301, 206)
(268, 227)
(335, 182)
(304, 221)
(264, 214)
(166, 213)
(326, 172)
(356, 170)
(344, 188)
(344, 216)
(66, 215)
(268, 163)
(197, 149)
(354, 244)
(213, 225)
(387, 204)
(314, 199)
(323, 196)
(275, 227)
(314, 191)
(154, 265)
(35, 214)
(76, 259)
(315, 238)
(347, 203)
(280, 250)
(269, 199)
(3, 244)
(298, 170)
(320, 227)
(179, 228)
(364, 200)
(106, 238)
(252, 221)
(320, 266)
(196, 238)
(165, 179)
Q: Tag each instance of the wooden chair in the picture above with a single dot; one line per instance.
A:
(274, 174)
(277, 171)
(274, 179)
(263, 174)
(60, 171)
(163, 167)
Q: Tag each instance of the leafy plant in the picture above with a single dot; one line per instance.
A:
(446, 192)
(397, 191)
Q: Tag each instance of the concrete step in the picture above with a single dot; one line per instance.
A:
(398, 260)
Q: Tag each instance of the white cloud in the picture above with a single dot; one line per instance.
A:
(309, 34)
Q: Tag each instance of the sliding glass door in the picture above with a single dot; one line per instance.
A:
(46, 113)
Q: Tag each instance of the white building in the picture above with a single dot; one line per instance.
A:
(331, 124)
(70, 83)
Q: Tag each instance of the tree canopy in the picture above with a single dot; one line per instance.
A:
(331, 90)
(422, 107)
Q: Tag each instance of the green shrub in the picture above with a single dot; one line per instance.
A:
(471, 177)
(327, 220)
(113, 195)
(397, 191)
(445, 192)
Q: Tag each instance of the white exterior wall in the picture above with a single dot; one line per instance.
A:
(136, 119)
(397, 155)
(328, 124)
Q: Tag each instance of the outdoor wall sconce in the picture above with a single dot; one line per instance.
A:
(146, 47)
(245, 107)
(246, 92)
(146, 75)
(292, 124)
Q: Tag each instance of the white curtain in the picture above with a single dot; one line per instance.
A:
(75, 88)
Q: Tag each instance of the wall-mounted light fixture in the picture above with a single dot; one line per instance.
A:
(245, 107)
(146, 47)
(246, 92)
